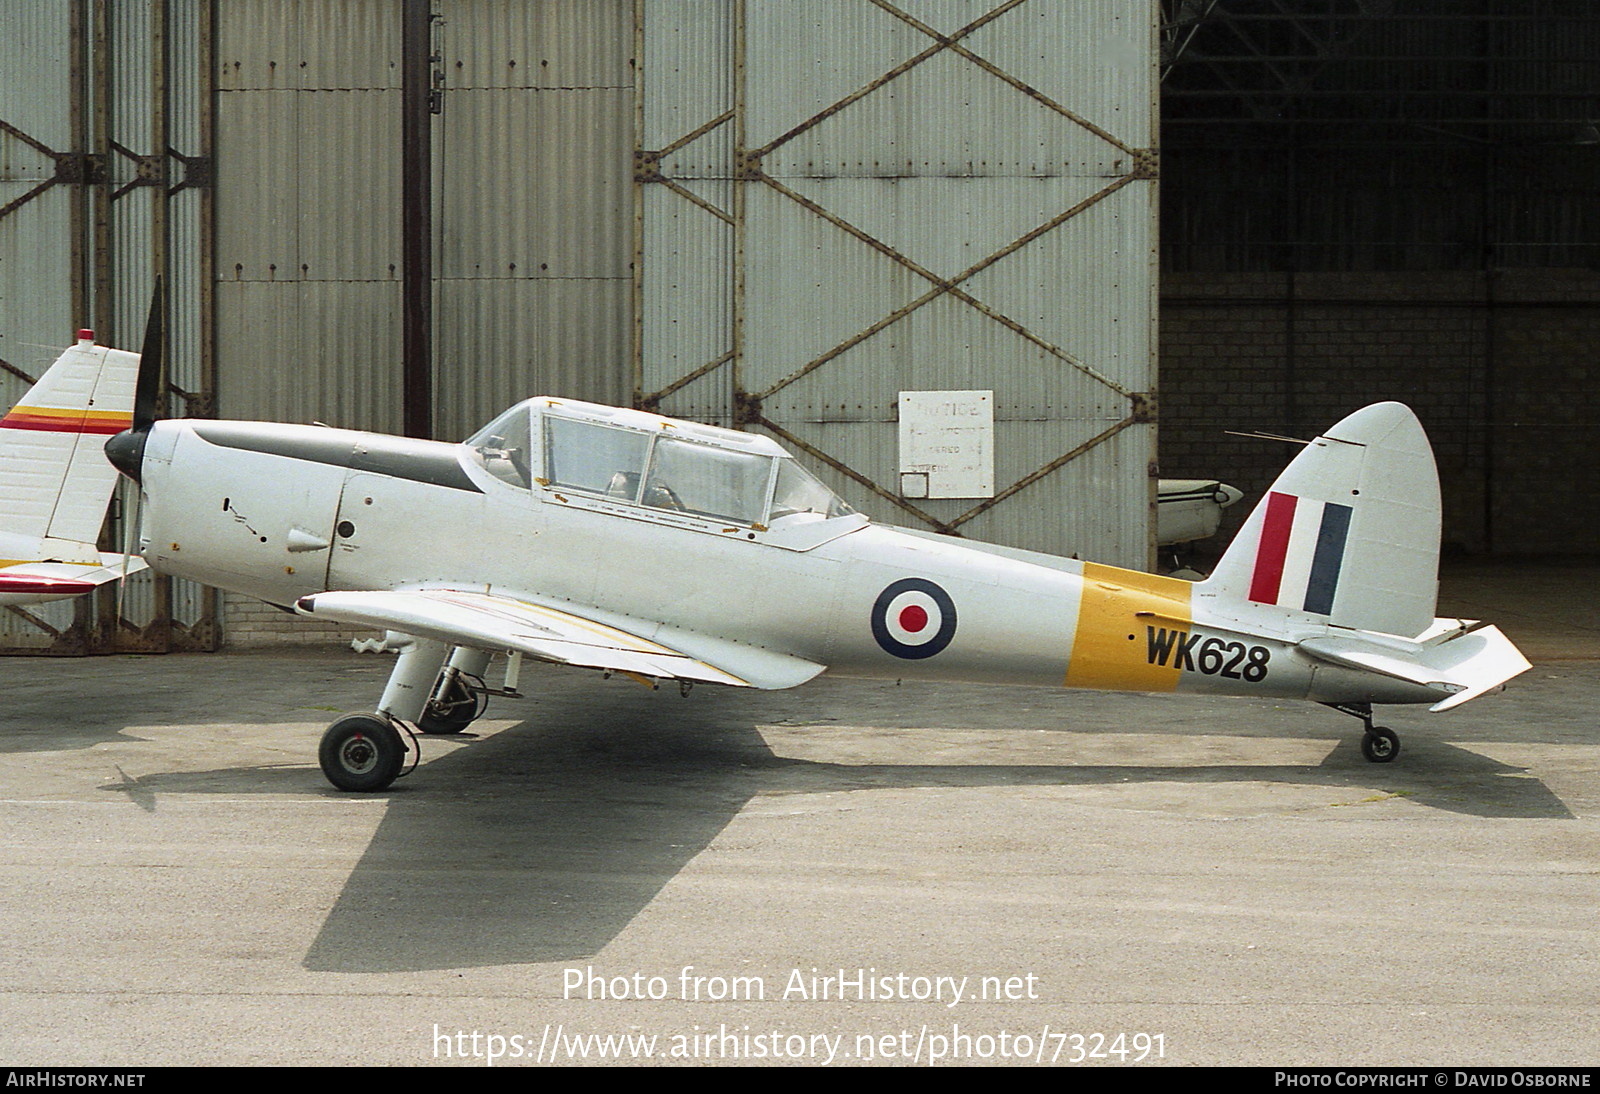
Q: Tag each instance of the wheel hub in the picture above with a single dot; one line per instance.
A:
(358, 756)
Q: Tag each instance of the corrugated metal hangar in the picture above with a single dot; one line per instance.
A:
(403, 215)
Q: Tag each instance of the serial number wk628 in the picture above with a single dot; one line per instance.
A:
(1211, 656)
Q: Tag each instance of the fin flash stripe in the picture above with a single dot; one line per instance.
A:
(1274, 548)
(1300, 553)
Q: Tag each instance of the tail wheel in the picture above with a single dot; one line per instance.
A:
(1380, 745)
(361, 752)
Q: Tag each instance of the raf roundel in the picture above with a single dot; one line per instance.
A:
(913, 618)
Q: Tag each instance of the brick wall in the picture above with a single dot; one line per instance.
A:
(250, 624)
(1499, 368)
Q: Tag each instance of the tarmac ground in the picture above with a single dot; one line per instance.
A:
(847, 872)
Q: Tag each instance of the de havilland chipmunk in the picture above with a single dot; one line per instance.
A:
(55, 482)
(623, 541)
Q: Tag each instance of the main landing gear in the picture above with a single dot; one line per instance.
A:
(458, 700)
(1379, 744)
(366, 752)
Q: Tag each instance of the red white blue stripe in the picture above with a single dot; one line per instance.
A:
(1300, 553)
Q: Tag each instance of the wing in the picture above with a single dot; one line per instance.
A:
(490, 621)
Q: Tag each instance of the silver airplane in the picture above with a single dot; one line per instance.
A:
(622, 541)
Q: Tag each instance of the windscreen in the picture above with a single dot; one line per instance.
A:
(502, 447)
(799, 492)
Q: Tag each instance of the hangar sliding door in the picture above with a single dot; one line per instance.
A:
(840, 202)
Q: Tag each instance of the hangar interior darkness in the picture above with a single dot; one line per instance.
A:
(1371, 199)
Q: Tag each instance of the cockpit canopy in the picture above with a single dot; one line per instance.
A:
(659, 464)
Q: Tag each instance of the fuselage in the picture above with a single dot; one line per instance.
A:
(279, 512)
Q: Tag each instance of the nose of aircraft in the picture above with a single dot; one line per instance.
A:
(126, 451)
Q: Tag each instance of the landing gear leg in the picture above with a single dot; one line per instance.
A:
(365, 752)
(412, 679)
(459, 697)
(1379, 744)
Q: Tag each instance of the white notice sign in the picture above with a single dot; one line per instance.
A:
(947, 444)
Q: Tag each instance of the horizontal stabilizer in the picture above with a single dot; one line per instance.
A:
(488, 621)
(37, 582)
(1460, 668)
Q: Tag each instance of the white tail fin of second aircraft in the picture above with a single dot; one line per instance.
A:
(1349, 533)
(55, 481)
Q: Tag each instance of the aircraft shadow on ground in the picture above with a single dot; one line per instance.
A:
(542, 842)
(541, 845)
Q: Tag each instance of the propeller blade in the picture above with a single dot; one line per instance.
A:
(126, 449)
(147, 394)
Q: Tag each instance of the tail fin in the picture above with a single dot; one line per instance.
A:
(1349, 533)
(55, 480)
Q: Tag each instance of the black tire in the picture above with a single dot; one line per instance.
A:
(361, 752)
(458, 711)
(1380, 745)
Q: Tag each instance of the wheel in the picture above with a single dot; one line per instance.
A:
(361, 752)
(456, 712)
(1380, 745)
